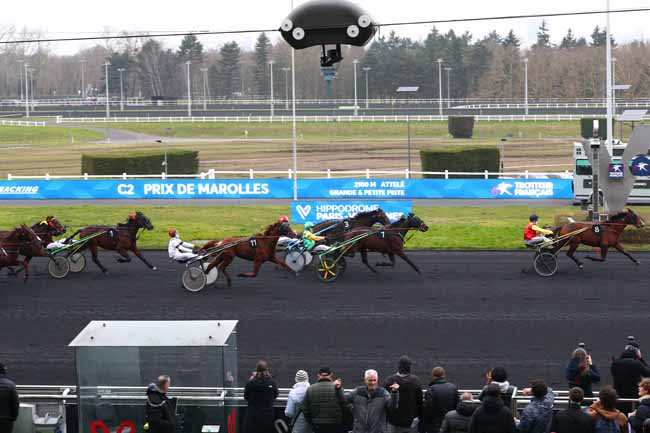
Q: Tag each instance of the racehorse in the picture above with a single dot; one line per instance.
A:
(46, 230)
(608, 237)
(122, 239)
(258, 248)
(335, 229)
(389, 240)
(19, 241)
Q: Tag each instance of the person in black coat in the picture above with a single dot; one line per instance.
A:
(581, 372)
(573, 419)
(441, 397)
(160, 410)
(627, 372)
(409, 394)
(642, 413)
(260, 393)
(9, 403)
(492, 416)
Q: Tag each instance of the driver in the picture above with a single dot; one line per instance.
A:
(285, 232)
(308, 238)
(177, 249)
(533, 234)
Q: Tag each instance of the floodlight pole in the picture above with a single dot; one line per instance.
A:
(614, 87)
(26, 91)
(293, 121)
(356, 107)
(440, 87)
(121, 70)
(189, 90)
(83, 81)
(448, 93)
(366, 69)
(286, 87)
(526, 86)
(272, 108)
(205, 88)
(20, 78)
(108, 107)
(610, 114)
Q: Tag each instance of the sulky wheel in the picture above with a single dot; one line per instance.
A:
(58, 267)
(213, 275)
(545, 264)
(295, 260)
(328, 270)
(194, 279)
(77, 262)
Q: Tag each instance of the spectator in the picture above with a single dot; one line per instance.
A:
(642, 412)
(324, 406)
(401, 420)
(492, 416)
(260, 393)
(9, 404)
(499, 376)
(160, 410)
(370, 404)
(573, 419)
(627, 372)
(441, 397)
(294, 403)
(457, 421)
(538, 414)
(605, 415)
(581, 372)
(646, 426)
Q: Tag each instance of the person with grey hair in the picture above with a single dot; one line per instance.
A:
(293, 410)
(9, 404)
(371, 403)
(160, 410)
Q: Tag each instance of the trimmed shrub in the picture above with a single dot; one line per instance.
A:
(141, 162)
(587, 127)
(460, 159)
(461, 126)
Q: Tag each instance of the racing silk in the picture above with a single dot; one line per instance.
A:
(177, 247)
(531, 231)
(309, 239)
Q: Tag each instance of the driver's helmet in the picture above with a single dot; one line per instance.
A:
(283, 219)
(172, 232)
(309, 225)
(533, 218)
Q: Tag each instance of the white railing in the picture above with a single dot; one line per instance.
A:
(20, 123)
(556, 105)
(318, 174)
(303, 119)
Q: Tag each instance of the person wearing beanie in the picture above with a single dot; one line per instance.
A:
(296, 397)
(627, 371)
(499, 376)
(260, 393)
(409, 396)
(9, 402)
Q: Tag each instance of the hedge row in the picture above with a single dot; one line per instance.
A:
(460, 159)
(461, 126)
(141, 162)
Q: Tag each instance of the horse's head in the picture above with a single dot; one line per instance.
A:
(414, 222)
(141, 221)
(273, 229)
(632, 218)
(54, 226)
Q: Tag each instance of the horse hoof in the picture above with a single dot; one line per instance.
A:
(580, 266)
(154, 268)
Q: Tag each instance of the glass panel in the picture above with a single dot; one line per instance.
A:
(583, 168)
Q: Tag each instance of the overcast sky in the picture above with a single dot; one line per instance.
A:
(71, 18)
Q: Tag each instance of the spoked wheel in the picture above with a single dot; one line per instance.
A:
(77, 262)
(545, 264)
(295, 260)
(213, 275)
(58, 267)
(328, 269)
(194, 279)
(343, 265)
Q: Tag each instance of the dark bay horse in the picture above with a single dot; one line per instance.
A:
(20, 240)
(46, 230)
(335, 229)
(611, 231)
(389, 240)
(258, 248)
(121, 238)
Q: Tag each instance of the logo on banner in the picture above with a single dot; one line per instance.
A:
(18, 190)
(640, 166)
(615, 171)
(502, 189)
(524, 189)
(327, 210)
(303, 211)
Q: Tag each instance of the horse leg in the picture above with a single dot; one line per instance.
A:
(257, 264)
(26, 269)
(225, 261)
(603, 254)
(391, 264)
(123, 255)
(364, 259)
(621, 250)
(138, 254)
(572, 249)
(93, 252)
(407, 260)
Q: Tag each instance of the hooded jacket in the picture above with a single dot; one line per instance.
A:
(596, 412)
(9, 404)
(492, 417)
(506, 392)
(457, 421)
(537, 416)
(641, 414)
(627, 372)
(159, 411)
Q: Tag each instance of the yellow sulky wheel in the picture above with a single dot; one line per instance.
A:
(328, 270)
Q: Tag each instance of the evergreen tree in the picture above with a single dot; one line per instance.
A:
(543, 37)
(229, 69)
(262, 57)
(599, 38)
(569, 40)
(582, 42)
(190, 49)
(511, 40)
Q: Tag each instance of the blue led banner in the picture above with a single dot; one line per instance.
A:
(317, 211)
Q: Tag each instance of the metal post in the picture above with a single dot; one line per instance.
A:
(595, 171)
(610, 115)
(440, 86)
(614, 86)
(31, 84)
(408, 135)
(356, 105)
(108, 109)
(189, 90)
(26, 92)
(20, 78)
(205, 88)
(121, 71)
(448, 93)
(293, 121)
(272, 108)
(366, 69)
(526, 86)
(83, 82)
(286, 88)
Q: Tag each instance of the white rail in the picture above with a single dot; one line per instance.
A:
(20, 123)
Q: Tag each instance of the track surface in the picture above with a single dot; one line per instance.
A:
(467, 312)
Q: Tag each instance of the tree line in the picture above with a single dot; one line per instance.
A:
(491, 66)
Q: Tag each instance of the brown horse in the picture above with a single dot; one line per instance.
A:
(46, 230)
(258, 248)
(389, 240)
(335, 229)
(122, 239)
(608, 237)
(20, 240)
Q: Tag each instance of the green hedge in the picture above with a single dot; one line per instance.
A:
(141, 162)
(460, 159)
(460, 126)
